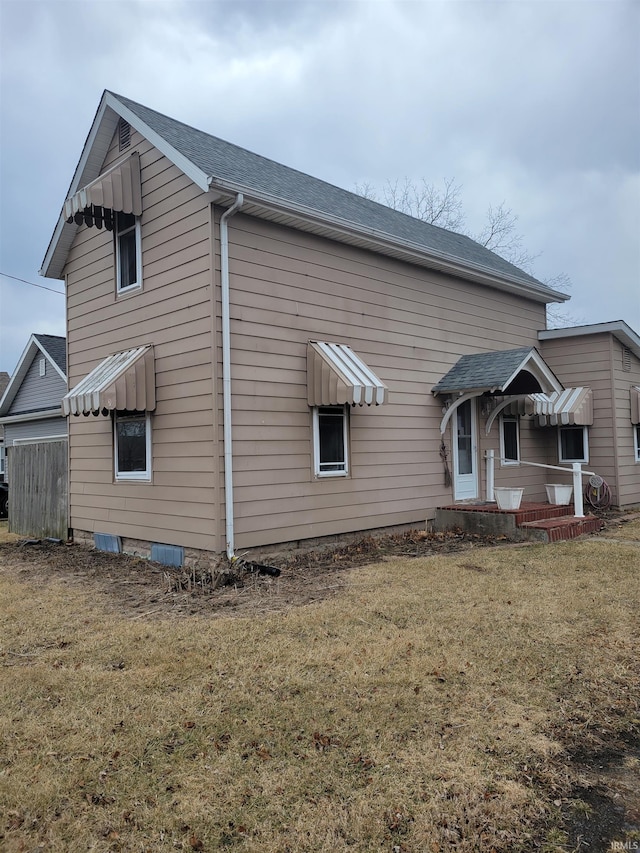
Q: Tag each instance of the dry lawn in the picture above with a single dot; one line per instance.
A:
(436, 704)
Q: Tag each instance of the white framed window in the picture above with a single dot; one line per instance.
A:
(132, 445)
(573, 444)
(510, 439)
(331, 441)
(636, 433)
(128, 252)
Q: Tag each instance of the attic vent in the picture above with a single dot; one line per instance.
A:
(626, 359)
(43, 367)
(124, 134)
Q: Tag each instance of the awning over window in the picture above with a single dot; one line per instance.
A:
(573, 406)
(635, 405)
(124, 382)
(336, 375)
(117, 190)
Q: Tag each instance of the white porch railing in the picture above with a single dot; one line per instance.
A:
(576, 469)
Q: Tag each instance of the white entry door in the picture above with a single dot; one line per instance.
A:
(465, 452)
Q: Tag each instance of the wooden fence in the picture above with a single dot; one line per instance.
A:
(38, 490)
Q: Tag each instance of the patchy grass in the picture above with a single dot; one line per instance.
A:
(437, 704)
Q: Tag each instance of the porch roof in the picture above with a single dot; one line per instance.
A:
(514, 371)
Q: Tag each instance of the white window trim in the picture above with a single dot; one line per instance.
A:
(137, 476)
(137, 284)
(636, 435)
(585, 443)
(316, 442)
(503, 460)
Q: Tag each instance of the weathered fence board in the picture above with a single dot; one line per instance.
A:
(38, 489)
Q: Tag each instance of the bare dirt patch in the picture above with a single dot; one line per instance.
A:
(136, 587)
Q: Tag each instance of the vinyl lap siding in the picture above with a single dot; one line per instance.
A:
(586, 360)
(410, 325)
(39, 429)
(628, 467)
(39, 392)
(172, 312)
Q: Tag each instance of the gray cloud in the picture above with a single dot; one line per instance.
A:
(533, 103)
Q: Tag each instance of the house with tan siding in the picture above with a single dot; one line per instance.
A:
(254, 355)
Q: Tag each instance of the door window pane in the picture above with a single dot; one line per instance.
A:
(465, 461)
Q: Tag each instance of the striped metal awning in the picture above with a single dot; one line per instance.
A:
(118, 190)
(336, 375)
(122, 382)
(571, 407)
(635, 405)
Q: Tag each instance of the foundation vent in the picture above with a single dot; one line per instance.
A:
(168, 555)
(107, 542)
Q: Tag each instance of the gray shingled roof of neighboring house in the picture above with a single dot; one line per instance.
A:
(56, 347)
(230, 163)
(482, 370)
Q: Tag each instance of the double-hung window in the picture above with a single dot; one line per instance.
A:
(330, 441)
(132, 445)
(128, 252)
(510, 439)
(573, 444)
(636, 433)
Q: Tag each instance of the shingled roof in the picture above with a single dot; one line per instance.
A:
(56, 348)
(276, 191)
(511, 371)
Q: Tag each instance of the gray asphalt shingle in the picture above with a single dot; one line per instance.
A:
(482, 370)
(56, 347)
(231, 163)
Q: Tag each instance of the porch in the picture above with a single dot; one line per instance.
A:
(532, 521)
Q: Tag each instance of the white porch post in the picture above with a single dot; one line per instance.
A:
(578, 506)
(491, 462)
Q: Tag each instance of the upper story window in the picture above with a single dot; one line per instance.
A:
(330, 441)
(573, 444)
(510, 439)
(128, 252)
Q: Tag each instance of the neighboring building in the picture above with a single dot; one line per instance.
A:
(604, 358)
(31, 406)
(4, 381)
(252, 351)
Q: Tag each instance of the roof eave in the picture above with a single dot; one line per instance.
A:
(109, 112)
(621, 330)
(308, 219)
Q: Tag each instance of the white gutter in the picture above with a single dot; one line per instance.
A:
(41, 415)
(226, 373)
(415, 252)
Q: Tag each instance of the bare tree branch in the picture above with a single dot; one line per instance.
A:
(443, 207)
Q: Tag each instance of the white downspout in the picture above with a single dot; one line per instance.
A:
(226, 373)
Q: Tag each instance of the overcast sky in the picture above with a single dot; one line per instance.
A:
(534, 103)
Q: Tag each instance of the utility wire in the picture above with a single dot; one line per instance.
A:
(33, 284)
